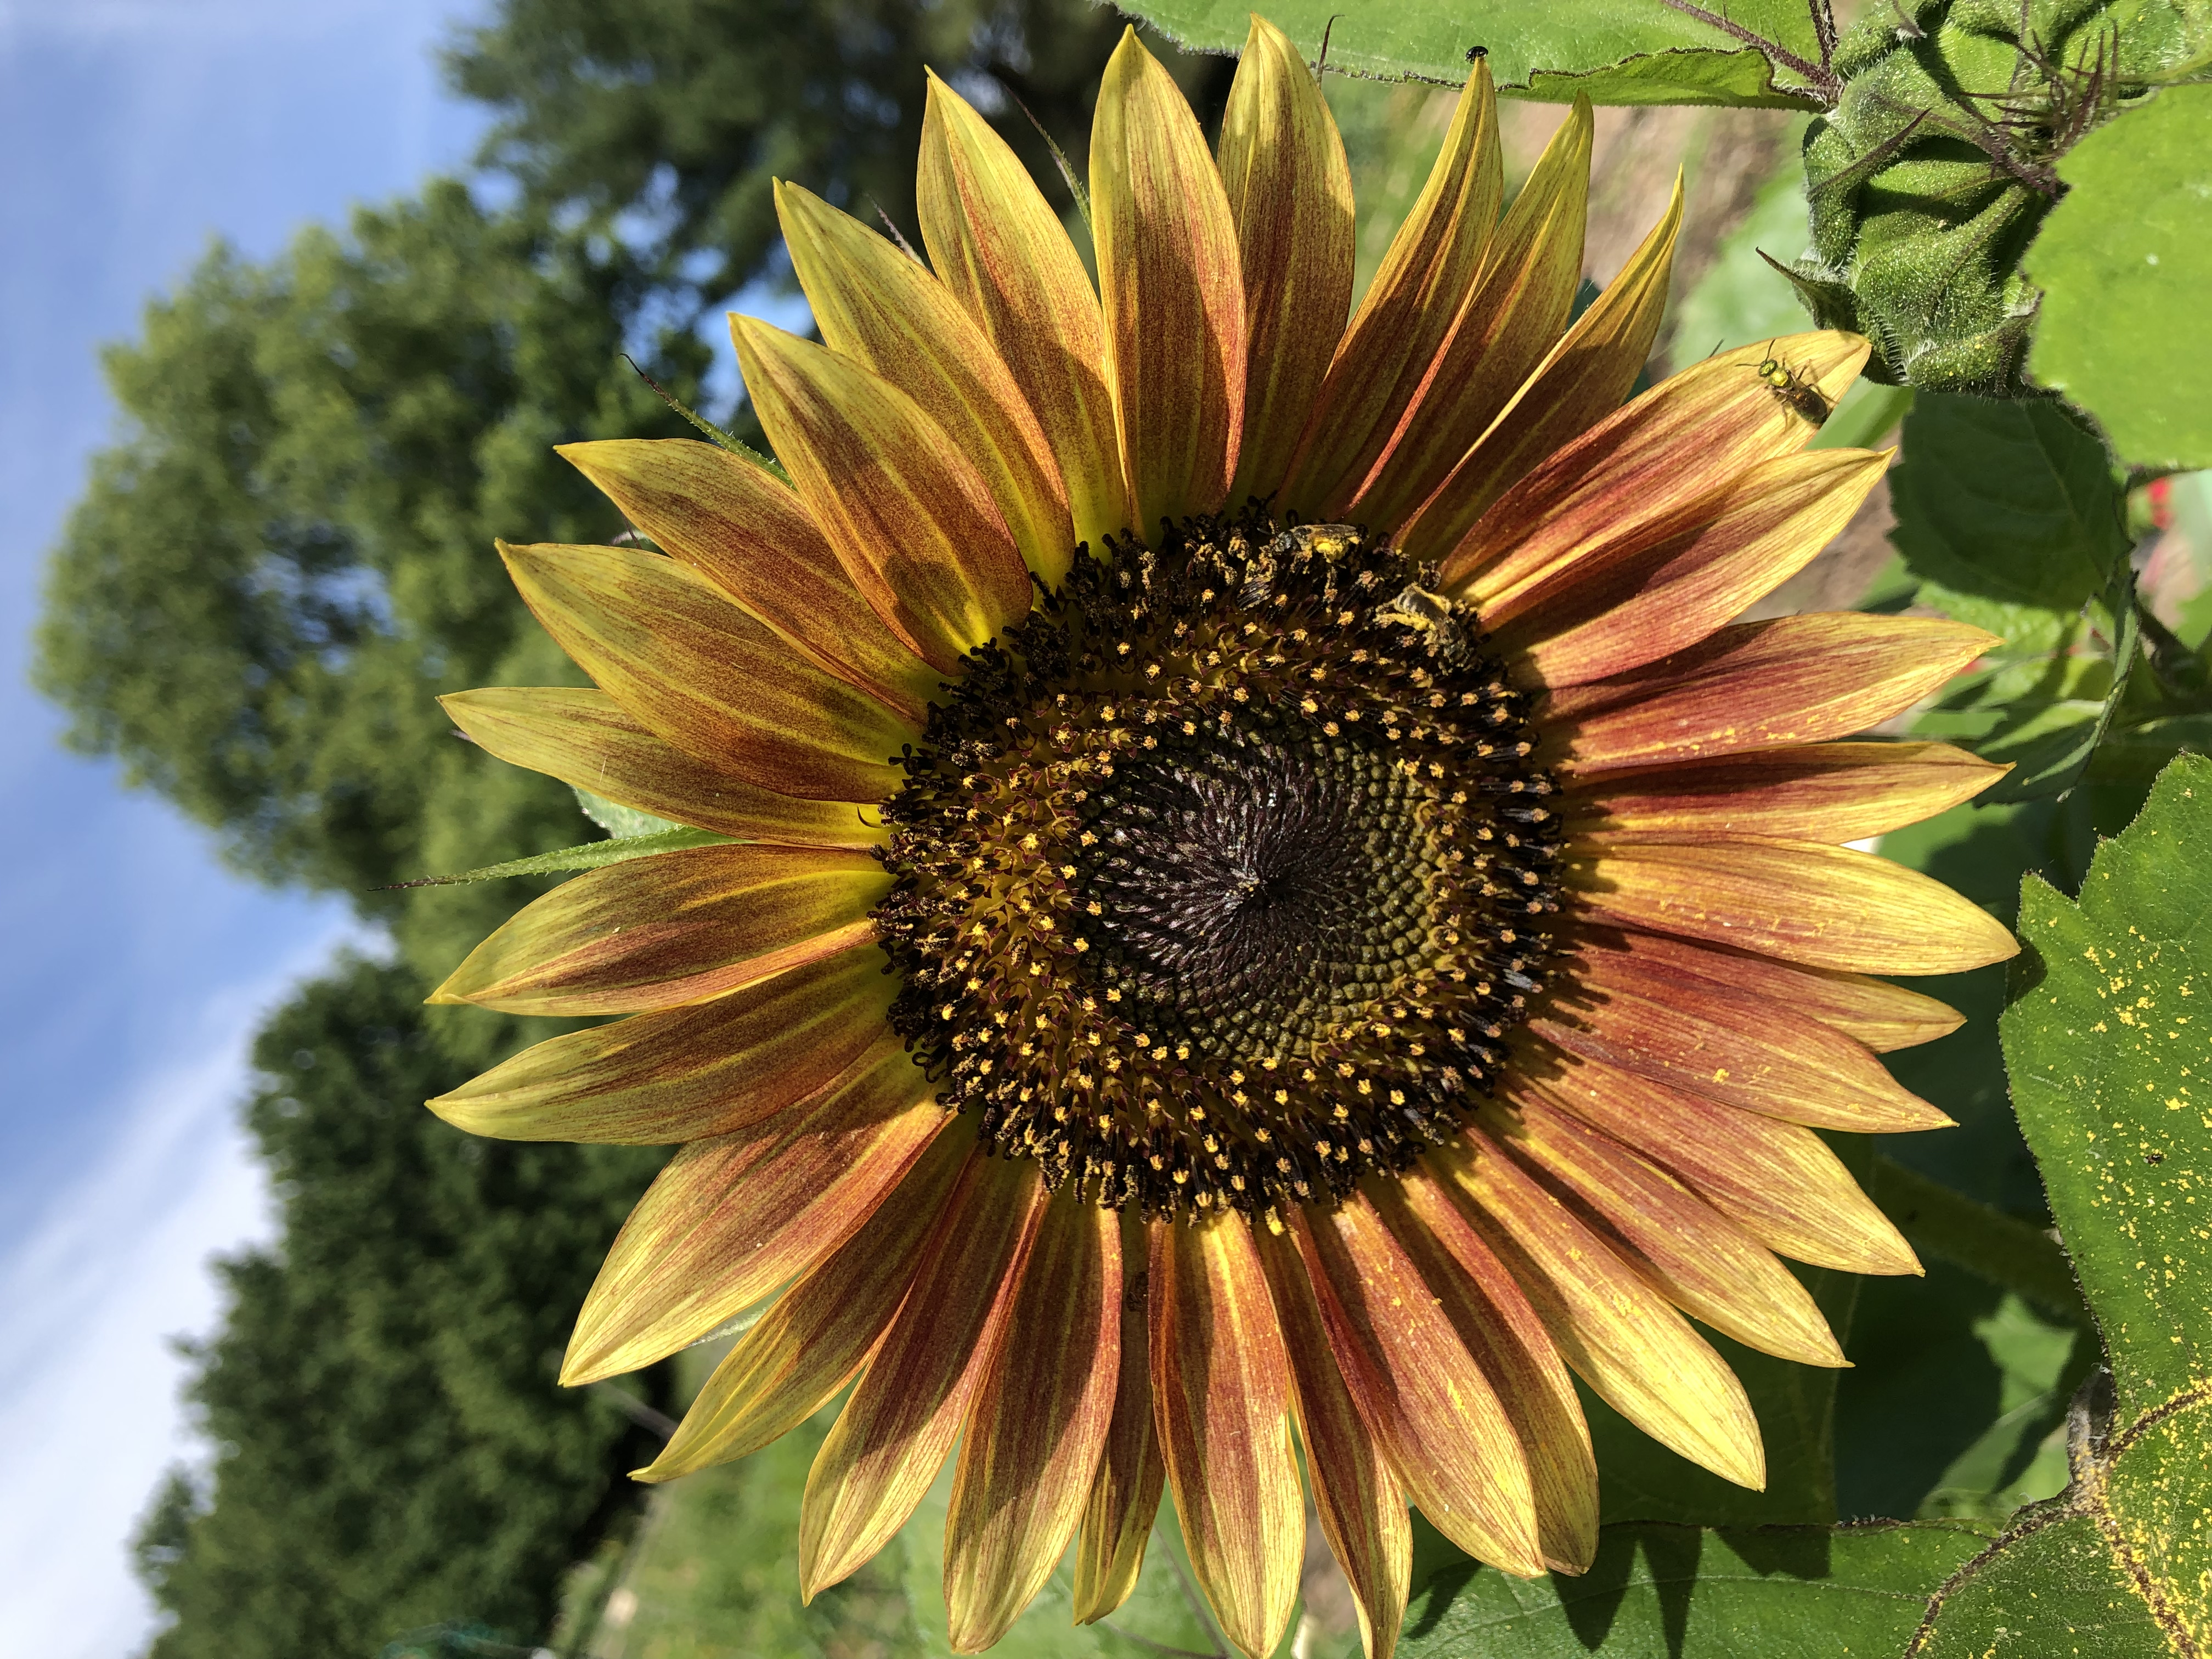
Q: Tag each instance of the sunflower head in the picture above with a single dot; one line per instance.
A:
(1250, 877)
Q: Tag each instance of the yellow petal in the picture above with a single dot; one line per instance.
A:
(892, 1437)
(1827, 907)
(1290, 191)
(1221, 1388)
(820, 1330)
(1030, 1449)
(1512, 318)
(686, 1073)
(909, 518)
(877, 307)
(1171, 289)
(742, 527)
(676, 928)
(1125, 1494)
(731, 1218)
(1619, 1333)
(1002, 251)
(584, 738)
(1408, 309)
(1581, 382)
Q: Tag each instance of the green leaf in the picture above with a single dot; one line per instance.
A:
(2125, 264)
(591, 856)
(621, 821)
(1680, 1593)
(1617, 51)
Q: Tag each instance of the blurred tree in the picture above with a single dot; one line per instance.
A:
(390, 1447)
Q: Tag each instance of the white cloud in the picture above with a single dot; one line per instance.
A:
(89, 1409)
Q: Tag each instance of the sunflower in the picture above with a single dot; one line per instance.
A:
(1253, 886)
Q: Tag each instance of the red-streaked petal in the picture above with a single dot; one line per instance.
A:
(893, 1435)
(1407, 1347)
(1740, 1049)
(1618, 1332)
(1881, 1015)
(585, 739)
(1832, 792)
(1171, 290)
(744, 528)
(1647, 464)
(1356, 1495)
(909, 518)
(1759, 685)
(1125, 1494)
(1706, 1265)
(1290, 191)
(676, 928)
(1780, 1183)
(1583, 380)
(1386, 356)
(707, 676)
(1513, 316)
(1221, 1393)
(1002, 253)
(731, 1218)
(884, 311)
(820, 1330)
(1827, 907)
(1030, 1449)
(1626, 606)
(686, 1073)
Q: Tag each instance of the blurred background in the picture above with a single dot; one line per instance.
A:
(303, 293)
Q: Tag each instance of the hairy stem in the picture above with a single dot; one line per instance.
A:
(1953, 1228)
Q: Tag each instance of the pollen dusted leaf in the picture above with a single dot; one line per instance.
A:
(731, 1218)
(682, 926)
(1171, 289)
(586, 740)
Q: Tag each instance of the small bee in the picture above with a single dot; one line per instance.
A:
(1429, 615)
(1791, 386)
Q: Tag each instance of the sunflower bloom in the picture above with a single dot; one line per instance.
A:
(1262, 888)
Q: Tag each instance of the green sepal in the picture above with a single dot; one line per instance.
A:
(591, 856)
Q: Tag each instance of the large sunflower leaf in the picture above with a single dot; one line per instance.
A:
(1617, 51)
(2125, 262)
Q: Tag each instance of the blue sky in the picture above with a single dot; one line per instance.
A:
(133, 131)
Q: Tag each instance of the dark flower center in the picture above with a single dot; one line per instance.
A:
(1223, 876)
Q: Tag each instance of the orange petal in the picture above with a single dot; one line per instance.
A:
(1625, 606)
(1221, 1390)
(745, 530)
(686, 1073)
(1748, 1052)
(1881, 1015)
(1511, 318)
(893, 1435)
(1030, 1449)
(1617, 1332)
(1386, 356)
(584, 738)
(1706, 1264)
(1760, 685)
(676, 928)
(1646, 464)
(1828, 907)
(1834, 792)
(886, 313)
(1780, 1183)
(1402, 1342)
(1125, 1494)
(820, 1330)
(1002, 251)
(1290, 191)
(731, 1218)
(908, 515)
(707, 676)
(1581, 382)
(1356, 1495)
(1171, 290)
